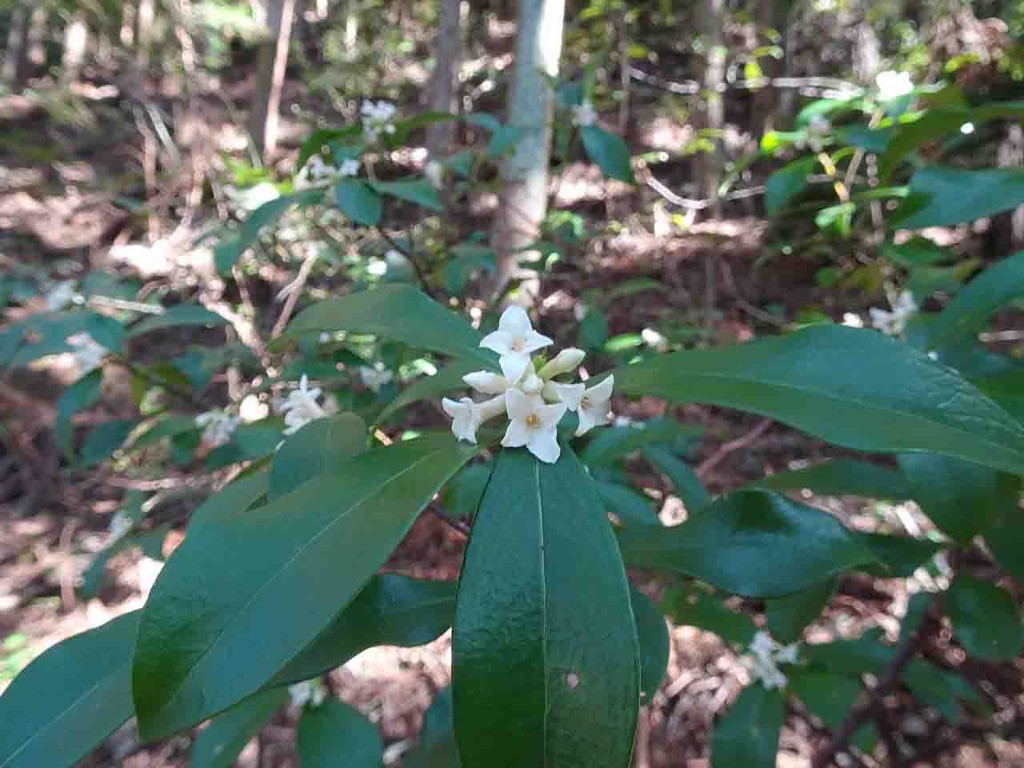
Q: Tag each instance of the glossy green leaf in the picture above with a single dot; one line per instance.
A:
(396, 313)
(898, 556)
(653, 641)
(445, 380)
(944, 196)
(1005, 539)
(786, 183)
(751, 543)
(334, 735)
(898, 401)
(69, 699)
(853, 658)
(986, 619)
(230, 501)
(391, 610)
(614, 442)
(545, 657)
(694, 605)
(747, 736)
(83, 394)
(418, 191)
(968, 313)
(105, 438)
(609, 152)
(962, 499)
(358, 201)
(841, 477)
(321, 446)
(177, 316)
(786, 617)
(829, 696)
(292, 564)
(461, 497)
(684, 480)
(40, 335)
(934, 687)
(220, 742)
(436, 747)
(627, 505)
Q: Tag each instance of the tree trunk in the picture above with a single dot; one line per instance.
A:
(38, 30)
(712, 162)
(271, 65)
(127, 32)
(15, 69)
(767, 101)
(76, 41)
(447, 47)
(144, 32)
(524, 197)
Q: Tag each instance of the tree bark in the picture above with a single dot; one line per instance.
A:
(76, 41)
(15, 69)
(144, 32)
(447, 50)
(714, 81)
(523, 201)
(767, 101)
(271, 66)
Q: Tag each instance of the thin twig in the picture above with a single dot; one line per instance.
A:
(733, 445)
(294, 289)
(421, 276)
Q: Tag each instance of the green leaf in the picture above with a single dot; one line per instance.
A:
(292, 564)
(69, 699)
(898, 401)
(83, 394)
(1005, 539)
(391, 610)
(461, 497)
(626, 504)
(944, 196)
(321, 446)
(653, 641)
(968, 313)
(898, 556)
(985, 619)
(962, 499)
(436, 747)
(445, 380)
(230, 501)
(693, 605)
(829, 697)
(179, 315)
(230, 250)
(787, 616)
(687, 485)
(747, 736)
(751, 543)
(220, 742)
(545, 657)
(786, 183)
(41, 335)
(418, 191)
(841, 477)
(396, 313)
(935, 688)
(609, 152)
(334, 735)
(613, 442)
(466, 259)
(850, 657)
(105, 438)
(358, 201)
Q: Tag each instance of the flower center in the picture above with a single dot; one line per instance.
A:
(518, 345)
(585, 402)
(533, 421)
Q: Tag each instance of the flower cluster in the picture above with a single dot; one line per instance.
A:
(532, 399)
(218, 427)
(301, 406)
(893, 85)
(377, 119)
(584, 115)
(376, 377)
(88, 352)
(764, 658)
(894, 323)
(317, 170)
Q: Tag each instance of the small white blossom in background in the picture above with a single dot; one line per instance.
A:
(60, 296)
(893, 85)
(309, 692)
(88, 352)
(376, 377)
(218, 427)
(377, 119)
(853, 320)
(532, 399)
(301, 407)
(819, 128)
(313, 172)
(764, 657)
(252, 409)
(894, 323)
(349, 167)
(434, 173)
(120, 524)
(584, 115)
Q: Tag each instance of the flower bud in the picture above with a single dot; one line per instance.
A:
(565, 361)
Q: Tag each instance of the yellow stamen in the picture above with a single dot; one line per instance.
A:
(585, 402)
(533, 421)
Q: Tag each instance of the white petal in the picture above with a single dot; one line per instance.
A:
(587, 421)
(570, 394)
(602, 391)
(532, 384)
(488, 409)
(519, 405)
(550, 415)
(451, 407)
(565, 361)
(500, 341)
(544, 445)
(515, 322)
(535, 341)
(514, 365)
(486, 382)
(517, 434)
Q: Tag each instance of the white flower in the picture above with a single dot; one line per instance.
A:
(852, 320)
(376, 377)
(60, 296)
(314, 171)
(487, 383)
(325, 338)
(120, 524)
(514, 340)
(594, 406)
(465, 418)
(252, 408)
(434, 173)
(377, 117)
(533, 424)
(570, 394)
(377, 267)
(653, 339)
(218, 427)
(307, 692)
(349, 167)
(894, 323)
(818, 129)
(301, 407)
(566, 361)
(893, 85)
(88, 352)
(765, 656)
(584, 115)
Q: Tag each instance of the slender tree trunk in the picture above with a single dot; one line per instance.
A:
(447, 47)
(712, 162)
(15, 69)
(272, 64)
(524, 197)
(38, 30)
(767, 101)
(76, 42)
(144, 32)
(351, 28)
(127, 32)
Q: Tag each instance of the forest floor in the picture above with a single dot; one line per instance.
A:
(61, 185)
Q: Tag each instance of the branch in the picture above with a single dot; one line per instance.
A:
(733, 445)
(421, 276)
